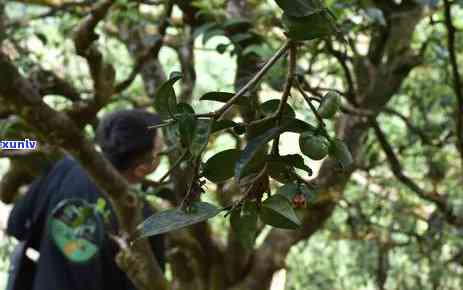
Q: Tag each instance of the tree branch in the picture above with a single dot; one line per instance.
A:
(397, 170)
(56, 127)
(103, 74)
(457, 82)
(151, 53)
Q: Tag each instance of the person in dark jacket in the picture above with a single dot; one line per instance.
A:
(132, 148)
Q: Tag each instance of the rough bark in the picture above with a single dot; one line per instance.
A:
(17, 92)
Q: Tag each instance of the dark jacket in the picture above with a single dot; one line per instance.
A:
(67, 179)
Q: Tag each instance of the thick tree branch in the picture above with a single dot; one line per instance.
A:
(48, 83)
(457, 82)
(56, 127)
(103, 74)
(151, 53)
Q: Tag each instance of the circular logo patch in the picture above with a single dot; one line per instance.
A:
(76, 229)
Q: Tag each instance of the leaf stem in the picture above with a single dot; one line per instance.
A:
(161, 125)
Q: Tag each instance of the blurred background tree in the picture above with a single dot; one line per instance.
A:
(393, 220)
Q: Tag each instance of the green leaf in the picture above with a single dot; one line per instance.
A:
(224, 97)
(316, 25)
(187, 128)
(289, 190)
(165, 99)
(280, 171)
(239, 37)
(186, 123)
(201, 136)
(236, 23)
(222, 125)
(174, 219)
(204, 28)
(271, 106)
(259, 50)
(261, 126)
(299, 8)
(341, 153)
(252, 148)
(219, 167)
(295, 160)
(244, 223)
(329, 105)
(278, 212)
(184, 108)
(296, 125)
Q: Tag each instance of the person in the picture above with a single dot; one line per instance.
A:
(127, 142)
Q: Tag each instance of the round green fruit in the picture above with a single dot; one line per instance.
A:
(329, 105)
(313, 146)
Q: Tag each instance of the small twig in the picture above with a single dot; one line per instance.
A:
(176, 163)
(315, 99)
(220, 112)
(289, 81)
(312, 107)
(286, 92)
(187, 199)
(161, 125)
